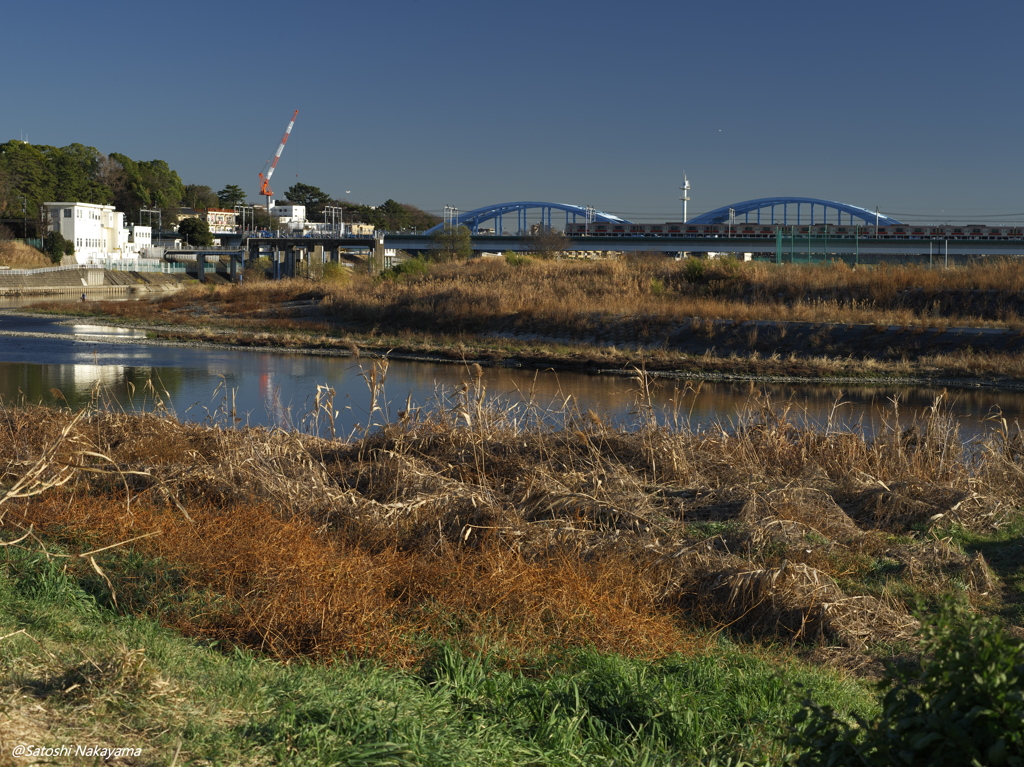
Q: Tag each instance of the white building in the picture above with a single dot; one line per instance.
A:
(140, 240)
(291, 216)
(97, 231)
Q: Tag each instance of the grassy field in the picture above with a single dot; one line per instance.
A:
(462, 587)
(691, 316)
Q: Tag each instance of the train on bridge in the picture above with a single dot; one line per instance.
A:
(743, 229)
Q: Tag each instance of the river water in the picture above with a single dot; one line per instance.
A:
(42, 360)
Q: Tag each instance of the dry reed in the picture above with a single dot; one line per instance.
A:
(471, 523)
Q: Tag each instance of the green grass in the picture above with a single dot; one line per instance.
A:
(1003, 549)
(83, 673)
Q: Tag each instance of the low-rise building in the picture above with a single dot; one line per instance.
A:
(360, 230)
(220, 220)
(289, 215)
(140, 239)
(98, 232)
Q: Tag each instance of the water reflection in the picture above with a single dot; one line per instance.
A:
(99, 331)
(279, 389)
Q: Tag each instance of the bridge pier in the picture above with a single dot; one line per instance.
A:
(201, 266)
(375, 263)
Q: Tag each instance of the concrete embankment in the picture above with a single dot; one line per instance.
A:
(92, 282)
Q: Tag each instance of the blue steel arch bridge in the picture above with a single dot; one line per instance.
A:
(497, 213)
(767, 210)
(793, 211)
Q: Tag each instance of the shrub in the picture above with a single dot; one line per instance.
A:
(962, 705)
(257, 270)
(56, 246)
(336, 274)
(410, 268)
(693, 269)
(516, 259)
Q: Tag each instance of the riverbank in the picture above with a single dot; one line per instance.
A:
(194, 591)
(716, 321)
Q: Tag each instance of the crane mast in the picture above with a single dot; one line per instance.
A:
(268, 169)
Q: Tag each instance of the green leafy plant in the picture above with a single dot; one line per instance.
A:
(337, 274)
(413, 267)
(56, 246)
(962, 705)
(516, 259)
(693, 269)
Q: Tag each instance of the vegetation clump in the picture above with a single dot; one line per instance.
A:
(962, 703)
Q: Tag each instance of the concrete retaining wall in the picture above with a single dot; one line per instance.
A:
(93, 282)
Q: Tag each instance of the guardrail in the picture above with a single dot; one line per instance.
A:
(114, 265)
(148, 265)
(48, 269)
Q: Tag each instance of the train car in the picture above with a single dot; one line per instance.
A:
(746, 229)
(752, 230)
(847, 231)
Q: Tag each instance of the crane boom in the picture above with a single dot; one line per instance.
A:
(265, 190)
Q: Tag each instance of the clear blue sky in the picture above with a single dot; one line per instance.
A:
(914, 107)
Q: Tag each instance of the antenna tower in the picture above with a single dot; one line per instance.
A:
(686, 194)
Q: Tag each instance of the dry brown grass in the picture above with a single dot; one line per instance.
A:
(18, 255)
(575, 298)
(825, 321)
(466, 525)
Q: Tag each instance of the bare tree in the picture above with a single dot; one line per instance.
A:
(111, 174)
(548, 243)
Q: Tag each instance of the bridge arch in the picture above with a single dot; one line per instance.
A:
(794, 210)
(496, 213)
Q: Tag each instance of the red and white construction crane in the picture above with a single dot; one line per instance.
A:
(268, 169)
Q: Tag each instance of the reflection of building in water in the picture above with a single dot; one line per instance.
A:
(82, 378)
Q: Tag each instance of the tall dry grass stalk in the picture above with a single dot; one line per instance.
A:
(481, 524)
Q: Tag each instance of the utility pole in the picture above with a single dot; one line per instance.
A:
(241, 210)
(159, 219)
(337, 214)
(451, 216)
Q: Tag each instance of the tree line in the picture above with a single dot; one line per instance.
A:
(31, 175)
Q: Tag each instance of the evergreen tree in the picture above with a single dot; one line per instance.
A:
(314, 198)
(199, 197)
(195, 231)
(230, 196)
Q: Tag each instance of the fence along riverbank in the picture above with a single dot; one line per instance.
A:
(111, 279)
